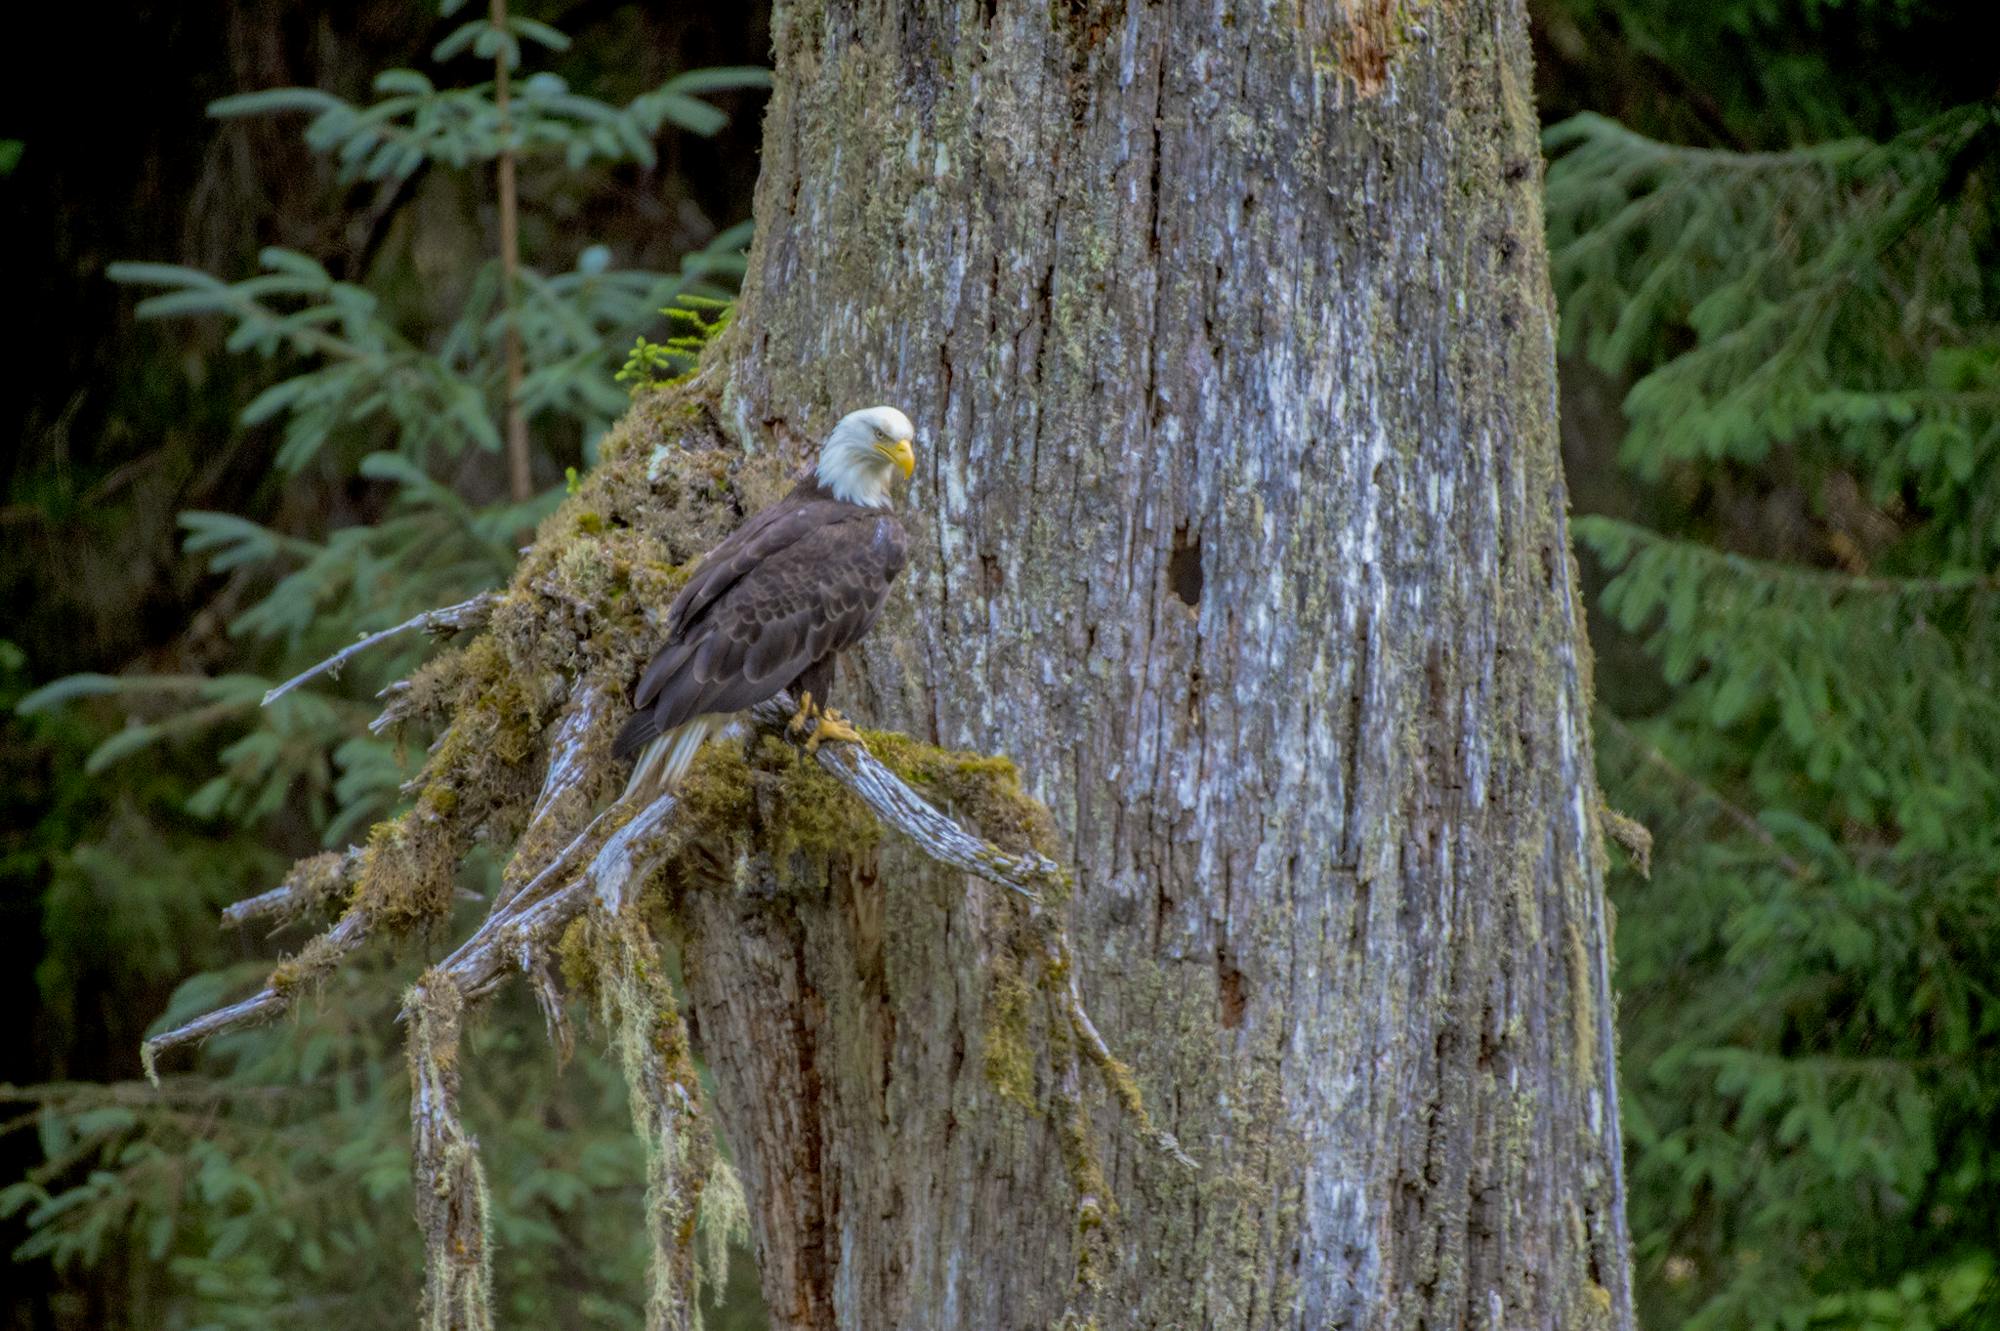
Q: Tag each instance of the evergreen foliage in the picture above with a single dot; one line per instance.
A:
(1811, 1035)
(274, 1185)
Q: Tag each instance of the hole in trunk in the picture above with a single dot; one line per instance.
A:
(1234, 993)
(1184, 567)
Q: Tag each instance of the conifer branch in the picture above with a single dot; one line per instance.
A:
(1834, 582)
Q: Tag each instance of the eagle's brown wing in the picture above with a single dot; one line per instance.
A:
(809, 584)
(756, 540)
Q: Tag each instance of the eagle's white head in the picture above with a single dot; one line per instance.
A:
(858, 460)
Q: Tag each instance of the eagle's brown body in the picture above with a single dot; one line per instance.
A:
(768, 609)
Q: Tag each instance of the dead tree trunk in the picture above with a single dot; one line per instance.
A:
(1240, 525)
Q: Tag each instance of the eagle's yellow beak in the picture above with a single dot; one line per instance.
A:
(901, 454)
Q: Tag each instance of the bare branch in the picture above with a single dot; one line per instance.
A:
(569, 772)
(569, 769)
(555, 1014)
(277, 901)
(329, 949)
(452, 618)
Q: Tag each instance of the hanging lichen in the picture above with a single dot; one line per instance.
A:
(637, 1005)
(450, 1186)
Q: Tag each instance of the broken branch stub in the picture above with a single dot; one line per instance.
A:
(897, 805)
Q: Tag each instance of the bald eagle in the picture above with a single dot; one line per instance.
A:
(770, 607)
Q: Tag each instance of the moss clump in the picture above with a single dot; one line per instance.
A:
(495, 715)
(807, 811)
(434, 688)
(578, 961)
(717, 792)
(980, 787)
(316, 960)
(318, 882)
(771, 797)
(407, 873)
(1009, 1056)
(1631, 834)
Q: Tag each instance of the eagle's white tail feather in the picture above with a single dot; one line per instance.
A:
(663, 762)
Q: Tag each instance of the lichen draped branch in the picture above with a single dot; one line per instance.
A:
(451, 1199)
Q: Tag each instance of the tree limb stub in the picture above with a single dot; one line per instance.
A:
(896, 804)
(265, 1005)
(469, 614)
(311, 882)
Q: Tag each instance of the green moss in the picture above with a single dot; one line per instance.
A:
(1009, 1057)
(576, 958)
(1629, 833)
(717, 792)
(318, 882)
(407, 873)
(774, 796)
(810, 813)
(977, 787)
(310, 964)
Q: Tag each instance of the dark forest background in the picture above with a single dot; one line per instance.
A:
(1772, 225)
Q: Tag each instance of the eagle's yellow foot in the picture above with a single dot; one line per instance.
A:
(803, 717)
(832, 726)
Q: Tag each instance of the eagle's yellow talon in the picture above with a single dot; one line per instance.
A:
(804, 715)
(832, 726)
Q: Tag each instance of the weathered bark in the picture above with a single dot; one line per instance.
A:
(1240, 525)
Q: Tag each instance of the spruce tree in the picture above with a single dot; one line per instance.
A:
(1811, 339)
